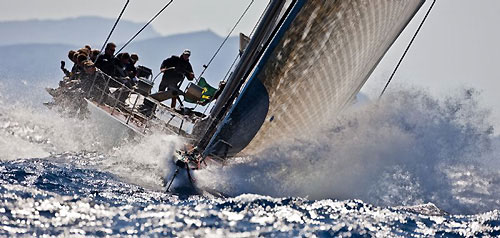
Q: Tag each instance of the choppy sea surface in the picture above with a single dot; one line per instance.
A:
(408, 166)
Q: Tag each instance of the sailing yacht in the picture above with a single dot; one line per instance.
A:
(306, 61)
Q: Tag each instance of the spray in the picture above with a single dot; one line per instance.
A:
(408, 149)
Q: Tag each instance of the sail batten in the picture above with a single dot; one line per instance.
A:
(315, 66)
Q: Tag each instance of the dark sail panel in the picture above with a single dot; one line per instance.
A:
(315, 66)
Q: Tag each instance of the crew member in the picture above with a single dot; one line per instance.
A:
(131, 68)
(93, 77)
(104, 61)
(174, 70)
(71, 54)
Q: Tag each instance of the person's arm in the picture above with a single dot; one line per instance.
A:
(65, 71)
(98, 61)
(189, 73)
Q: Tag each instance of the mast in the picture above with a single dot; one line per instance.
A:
(248, 60)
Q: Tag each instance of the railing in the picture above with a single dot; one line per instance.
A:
(125, 102)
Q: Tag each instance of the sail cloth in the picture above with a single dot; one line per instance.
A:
(317, 62)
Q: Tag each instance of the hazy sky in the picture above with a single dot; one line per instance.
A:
(180, 16)
(458, 47)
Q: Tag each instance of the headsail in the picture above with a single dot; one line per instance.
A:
(316, 63)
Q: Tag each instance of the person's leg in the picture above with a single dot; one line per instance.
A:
(172, 104)
(163, 86)
(175, 97)
(162, 96)
(149, 106)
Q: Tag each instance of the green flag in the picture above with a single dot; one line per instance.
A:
(207, 93)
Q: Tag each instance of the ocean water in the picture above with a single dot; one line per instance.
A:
(408, 166)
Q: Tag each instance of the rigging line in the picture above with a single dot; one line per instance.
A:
(230, 67)
(260, 19)
(206, 108)
(407, 48)
(156, 77)
(224, 42)
(223, 79)
(114, 26)
(261, 39)
(220, 47)
(238, 55)
(251, 34)
(149, 22)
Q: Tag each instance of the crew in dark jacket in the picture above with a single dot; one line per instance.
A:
(174, 70)
(131, 69)
(121, 74)
(71, 55)
(104, 61)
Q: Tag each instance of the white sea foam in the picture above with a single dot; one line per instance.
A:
(146, 162)
(33, 131)
(407, 149)
(36, 132)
